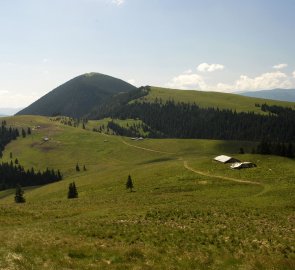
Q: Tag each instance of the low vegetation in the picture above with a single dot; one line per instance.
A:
(177, 218)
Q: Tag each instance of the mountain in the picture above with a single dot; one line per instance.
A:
(78, 96)
(8, 111)
(275, 94)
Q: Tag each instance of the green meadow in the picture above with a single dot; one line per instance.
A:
(186, 211)
(212, 99)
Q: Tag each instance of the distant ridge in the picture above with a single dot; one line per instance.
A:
(275, 94)
(78, 96)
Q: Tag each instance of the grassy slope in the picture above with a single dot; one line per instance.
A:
(175, 219)
(78, 96)
(212, 99)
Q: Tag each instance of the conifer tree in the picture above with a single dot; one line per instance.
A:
(19, 195)
(129, 183)
(77, 167)
(72, 192)
(29, 132)
(84, 168)
(23, 133)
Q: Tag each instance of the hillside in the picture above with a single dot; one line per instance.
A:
(181, 199)
(275, 94)
(78, 96)
(212, 99)
(169, 113)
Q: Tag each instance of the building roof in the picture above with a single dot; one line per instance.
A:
(245, 164)
(223, 158)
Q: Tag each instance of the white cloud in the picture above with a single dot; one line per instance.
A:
(269, 80)
(293, 74)
(132, 81)
(118, 2)
(280, 66)
(265, 81)
(223, 87)
(3, 92)
(188, 81)
(14, 99)
(188, 71)
(205, 67)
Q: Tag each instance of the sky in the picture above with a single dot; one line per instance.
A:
(212, 45)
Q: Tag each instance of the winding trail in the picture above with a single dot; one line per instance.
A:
(220, 177)
(147, 149)
(186, 166)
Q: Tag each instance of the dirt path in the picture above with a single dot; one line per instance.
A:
(186, 166)
(147, 149)
(220, 177)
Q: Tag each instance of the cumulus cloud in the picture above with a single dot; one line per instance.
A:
(205, 67)
(187, 81)
(265, 81)
(118, 2)
(280, 66)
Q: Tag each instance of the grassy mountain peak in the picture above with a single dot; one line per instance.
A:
(78, 96)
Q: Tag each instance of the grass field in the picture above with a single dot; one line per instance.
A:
(175, 218)
(212, 99)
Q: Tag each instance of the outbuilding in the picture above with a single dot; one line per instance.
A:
(225, 159)
(242, 165)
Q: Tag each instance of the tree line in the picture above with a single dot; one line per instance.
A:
(12, 175)
(7, 134)
(134, 130)
(266, 147)
(183, 120)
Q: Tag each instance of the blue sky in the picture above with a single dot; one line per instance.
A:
(228, 45)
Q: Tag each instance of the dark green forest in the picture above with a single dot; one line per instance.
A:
(12, 175)
(182, 120)
(7, 134)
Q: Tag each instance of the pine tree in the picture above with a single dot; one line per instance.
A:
(10, 155)
(72, 193)
(241, 151)
(290, 152)
(77, 167)
(23, 133)
(129, 183)
(29, 131)
(84, 168)
(19, 195)
(16, 161)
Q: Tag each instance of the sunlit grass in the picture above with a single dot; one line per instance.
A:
(174, 219)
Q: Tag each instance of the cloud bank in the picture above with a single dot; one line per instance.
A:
(268, 80)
